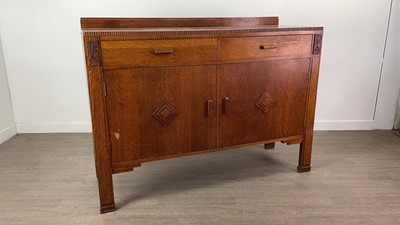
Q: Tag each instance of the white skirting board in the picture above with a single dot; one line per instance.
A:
(7, 133)
(344, 125)
(54, 127)
(86, 127)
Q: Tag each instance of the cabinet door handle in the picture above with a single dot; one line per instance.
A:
(209, 108)
(270, 46)
(163, 51)
(226, 105)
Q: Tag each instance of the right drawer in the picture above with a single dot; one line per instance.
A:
(264, 47)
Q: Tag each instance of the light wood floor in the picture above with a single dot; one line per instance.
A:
(355, 179)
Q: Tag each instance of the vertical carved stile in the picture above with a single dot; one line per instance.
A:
(93, 48)
(317, 44)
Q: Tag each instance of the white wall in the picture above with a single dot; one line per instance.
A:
(44, 57)
(7, 124)
(390, 80)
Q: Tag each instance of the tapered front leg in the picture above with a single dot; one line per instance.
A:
(102, 151)
(106, 192)
(306, 144)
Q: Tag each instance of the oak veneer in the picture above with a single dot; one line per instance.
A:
(158, 53)
(162, 88)
(176, 22)
(261, 47)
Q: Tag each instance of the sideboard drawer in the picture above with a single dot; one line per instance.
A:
(263, 47)
(157, 53)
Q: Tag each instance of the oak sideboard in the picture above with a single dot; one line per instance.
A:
(168, 87)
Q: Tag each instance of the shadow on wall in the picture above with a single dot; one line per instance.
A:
(397, 118)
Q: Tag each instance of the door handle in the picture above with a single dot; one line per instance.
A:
(209, 108)
(225, 105)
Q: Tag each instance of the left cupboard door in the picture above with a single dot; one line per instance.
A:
(160, 112)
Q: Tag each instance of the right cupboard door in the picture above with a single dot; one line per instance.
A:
(262, 100)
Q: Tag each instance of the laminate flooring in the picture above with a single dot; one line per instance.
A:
(355, 179)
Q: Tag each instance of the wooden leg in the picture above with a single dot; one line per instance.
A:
(305, 157)
(306, 144)
(106, 193)
(102, 151)
(269, 145)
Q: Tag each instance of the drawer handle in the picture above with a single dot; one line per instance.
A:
(163, 51)
(225, 105)
(209, 107)
(266, 47)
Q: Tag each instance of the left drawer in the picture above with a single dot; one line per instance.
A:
(157, 53)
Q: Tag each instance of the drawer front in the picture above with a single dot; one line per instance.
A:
(157, 53)
(264, 47)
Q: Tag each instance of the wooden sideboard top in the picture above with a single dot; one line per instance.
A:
(185, 26)
(176, 22)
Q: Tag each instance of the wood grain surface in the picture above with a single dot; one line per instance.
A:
(160, 89)
(285, 83)
(306, 145)
(143, 53)
(99, 128)
(134, 95)
(263, 47)
(176, 22)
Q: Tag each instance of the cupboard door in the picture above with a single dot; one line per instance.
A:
(155, 112)
(262, 100)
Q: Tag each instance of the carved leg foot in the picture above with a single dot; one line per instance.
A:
(269, 145)
(305, 156)
(106, 193)
(304, 169)
(107, 208)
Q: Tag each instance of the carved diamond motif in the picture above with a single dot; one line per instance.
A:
(265, 102)
(165, 113)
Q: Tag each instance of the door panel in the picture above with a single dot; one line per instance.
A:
(266, 100)
(167, 105)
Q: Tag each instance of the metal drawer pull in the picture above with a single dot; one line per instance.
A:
(266, 47)
(163, 51)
